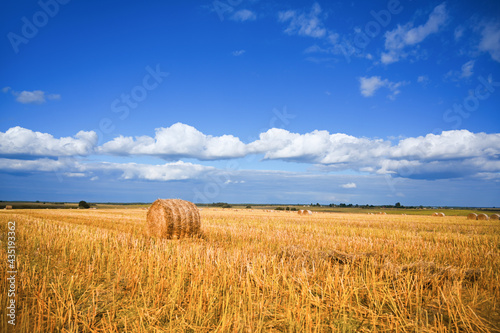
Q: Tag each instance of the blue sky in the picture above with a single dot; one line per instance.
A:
(251, 101)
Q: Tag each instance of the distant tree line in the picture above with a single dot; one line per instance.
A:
(220, 205)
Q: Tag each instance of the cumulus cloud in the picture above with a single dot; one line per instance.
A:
(446, 155)
(369, 85)
(21, 141)
(449, 145)
(304, 24)
(316, 147)
(32, 97)
(451, 154)
(178, 140)
(348, 185)
(244, 15)
(407, 35)
(490, 40)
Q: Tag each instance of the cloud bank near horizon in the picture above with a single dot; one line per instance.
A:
(450, 154)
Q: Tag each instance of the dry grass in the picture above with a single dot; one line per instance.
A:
(95, 271)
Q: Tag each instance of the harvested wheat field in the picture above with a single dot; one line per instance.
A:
(251, 271)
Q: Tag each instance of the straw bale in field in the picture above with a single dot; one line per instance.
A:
(483, 217)
(472, 216)
(435, 214)
(173, 218)
(495, 217)
(8, 207)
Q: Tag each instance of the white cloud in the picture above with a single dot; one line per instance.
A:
(244, 15)
(490, 40)
(449, 154)
(304, 24)
(457, 153)
(178, 140)
(407, 35)
(22, 141)
(39, 165)
(467, 69)
(32, 97)
(128, 171)
(348, 185)
(238, 53)
(316, 147)
(369, 85)
(163, 172)
(448, 145)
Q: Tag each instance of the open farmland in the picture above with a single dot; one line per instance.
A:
(253, 271)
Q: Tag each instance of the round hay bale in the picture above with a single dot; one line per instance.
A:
(483, 217)
(307, 212)
(435, 214)
(472, 216)
(173, 218)
(440, 214)
(300, 212)
(495, 217)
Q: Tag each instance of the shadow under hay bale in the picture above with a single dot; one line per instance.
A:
(173, 218)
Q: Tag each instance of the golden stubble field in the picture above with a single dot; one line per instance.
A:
(252, 271)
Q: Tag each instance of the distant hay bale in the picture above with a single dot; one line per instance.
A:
(435, 214)
(173, 218)
(483, 217)
(472, 216)
(300, 212)
(8, 207)
(441, 214)
(495, 217)
(304, 212)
